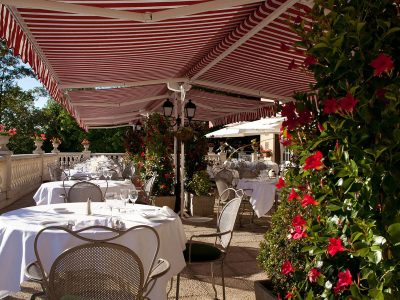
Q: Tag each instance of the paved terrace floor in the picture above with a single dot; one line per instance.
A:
(241, 269)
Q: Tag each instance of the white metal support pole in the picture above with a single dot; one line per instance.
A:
(176, 114)
(182, 169)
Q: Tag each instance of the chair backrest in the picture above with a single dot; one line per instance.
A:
(54, 171)
(148, 185)
(226, 220)
(223, 180)
(97, 268)
(82, 190)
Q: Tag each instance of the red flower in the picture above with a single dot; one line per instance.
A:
(280, 184)
(284, 47)
(335, 246)
(12, 131)
(142, 154)
(289, 295)
(289, 110)
(330, 106)
(314, 161)
(382, 63)
(310, 60)
(345, 279)
(297, 233)
(290, 123)
(320, 127)
(313, 275)
(298, 221)
(292, 65)
(287, 268)
(308, 200)
(305, 117)
(348, 103)
(293, 195)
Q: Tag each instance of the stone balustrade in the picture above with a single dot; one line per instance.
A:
(23, 173)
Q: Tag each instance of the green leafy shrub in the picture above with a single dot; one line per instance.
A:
(200, 183)
(345, 139)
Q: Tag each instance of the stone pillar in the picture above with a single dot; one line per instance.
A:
(86, 154)
(5, 177)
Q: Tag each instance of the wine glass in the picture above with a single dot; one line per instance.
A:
(133, 195)
(124, 195)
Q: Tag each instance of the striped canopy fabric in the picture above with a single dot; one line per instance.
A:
(108, 62)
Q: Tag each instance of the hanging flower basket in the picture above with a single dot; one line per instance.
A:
(185, 134)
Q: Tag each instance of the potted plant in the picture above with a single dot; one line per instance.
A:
(55, 141)
(85, 143)
(267, 153)
(5, 135)
(202, 202)
(38, 140)
(339, 200)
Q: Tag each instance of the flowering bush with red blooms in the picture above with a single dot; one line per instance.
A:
(156, 156)
(338, 221)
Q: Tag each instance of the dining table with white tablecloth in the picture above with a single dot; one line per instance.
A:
(261, 193)
(18, 230)
(54, 191)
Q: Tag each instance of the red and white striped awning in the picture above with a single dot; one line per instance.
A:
(109, 61)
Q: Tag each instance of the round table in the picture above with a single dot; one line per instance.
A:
(18, 229)
(261, 192)
(52, 192)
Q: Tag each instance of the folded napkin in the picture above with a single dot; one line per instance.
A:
(83, 223)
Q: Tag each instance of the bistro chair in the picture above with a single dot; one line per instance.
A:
(200, 252)
(223, 181)
(147, 191)
(55, 171)
(82, 190)
(100, 268)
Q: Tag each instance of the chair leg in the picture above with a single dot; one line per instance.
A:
(170, 287)
(223, 280)
(177, 286)
(33, 297)
(213, 280)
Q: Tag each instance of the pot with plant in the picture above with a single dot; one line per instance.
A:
(5, 135)
(38, 139)
(202, 201)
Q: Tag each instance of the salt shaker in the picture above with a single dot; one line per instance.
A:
(89, 206)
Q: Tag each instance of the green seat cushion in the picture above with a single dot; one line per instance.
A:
(202, 252)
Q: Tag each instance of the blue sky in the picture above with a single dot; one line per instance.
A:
(30, 83)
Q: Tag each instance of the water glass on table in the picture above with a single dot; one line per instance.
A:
(110, 199)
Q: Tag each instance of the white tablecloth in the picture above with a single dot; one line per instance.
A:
(262, 196)
(50, 192)
(18, 229)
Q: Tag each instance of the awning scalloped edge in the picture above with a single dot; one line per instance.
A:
(16, 39)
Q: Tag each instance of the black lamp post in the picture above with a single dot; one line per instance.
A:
(168, 108)
(190, 110)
